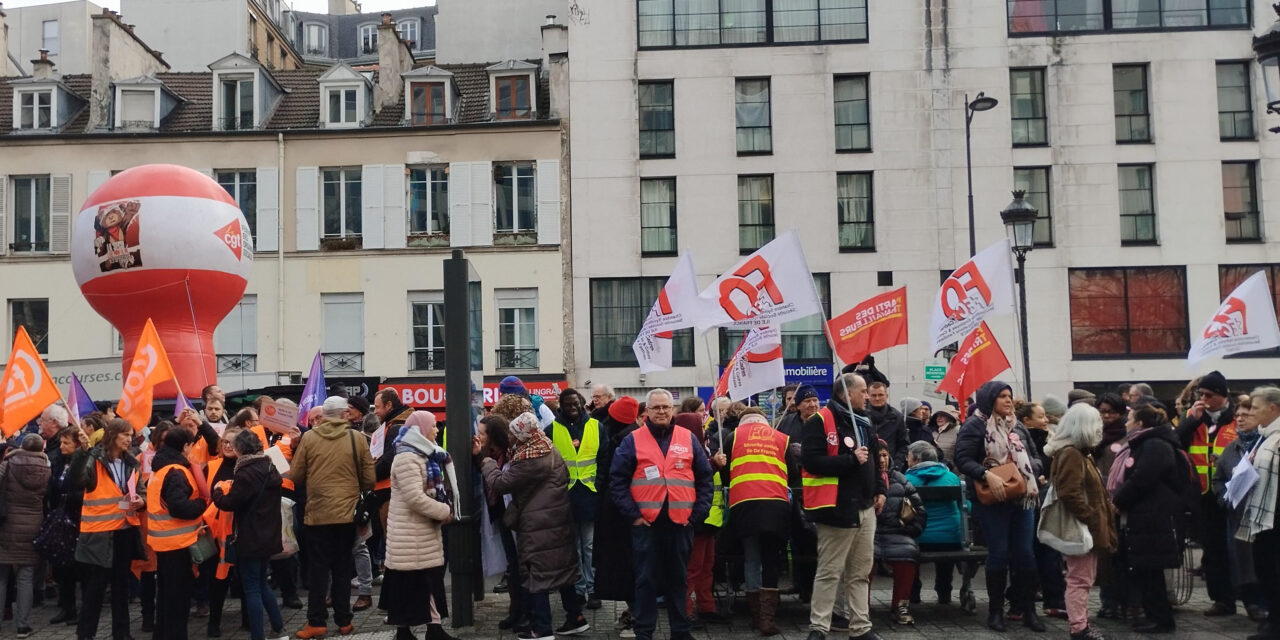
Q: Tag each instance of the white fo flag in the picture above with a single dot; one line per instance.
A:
(981, 287)
(674, 309)
(769, 287)
(757, 365)
(1245, 321)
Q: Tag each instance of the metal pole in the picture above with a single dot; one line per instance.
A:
(1022, 309)
(968, 164)
(464, 532)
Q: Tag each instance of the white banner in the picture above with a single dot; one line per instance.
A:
(674, 309)
(981, 287)
(757, 366)
(769, 287)
(1245, 321)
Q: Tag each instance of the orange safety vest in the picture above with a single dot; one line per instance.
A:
(261, 432)
(758, 470)
(199, 453)
(287, 449)
(663, 479)
(820, 492)
(101, 510)
(165, 532)
(1201, 448)
(221, 524)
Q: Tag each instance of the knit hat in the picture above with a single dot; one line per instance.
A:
(909, 405)
(625, 410)
(1080, 395)
(804, 392)
(752, 418)
(511, 384)
(1215, 382)
(359, 403)
(334, 406)
(1053, 405)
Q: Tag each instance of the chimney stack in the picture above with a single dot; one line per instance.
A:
(394, 58)
(555, 65)
(343, 7)
(42, 67)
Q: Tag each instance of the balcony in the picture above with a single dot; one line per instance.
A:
(426, 359)
(512, 358)
(343, 362)
(237, 363)
(235, 124)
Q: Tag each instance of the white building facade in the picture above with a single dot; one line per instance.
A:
(1139, 134)
(64, 29)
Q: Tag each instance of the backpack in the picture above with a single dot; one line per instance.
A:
(1186, 485)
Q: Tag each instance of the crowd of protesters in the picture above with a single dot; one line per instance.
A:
(638, 500)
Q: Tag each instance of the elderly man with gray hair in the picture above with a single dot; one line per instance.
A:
(1258, 523)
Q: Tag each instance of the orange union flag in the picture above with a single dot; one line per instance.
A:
(27, 386)
(150, 367)
(979, 361)
(874, 324)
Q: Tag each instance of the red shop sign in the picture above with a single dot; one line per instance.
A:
(431, 394)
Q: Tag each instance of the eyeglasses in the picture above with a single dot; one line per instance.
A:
(660, 407)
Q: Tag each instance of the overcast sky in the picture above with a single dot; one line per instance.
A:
(314, 6)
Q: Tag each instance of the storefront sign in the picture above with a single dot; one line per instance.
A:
(431, 394)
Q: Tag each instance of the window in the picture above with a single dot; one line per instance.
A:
(341, 202)
(1126, 312)
(1030, 17)
(751, 97)
(34, 316)
(1235, 101)
(49, 40)
(408, 30)
(242, 186)
(428, 104)
(1026, 96)
(1035, 181)
(514, 200)
(854, 203)
(343, 332)
(237, 104)
(137, 108)
(236, 338)
(343, 106)
(803, 340)
(517, 328)
(618, 309)
(697, 22)
(701, 23)
(1137, 204)
(426, 310)
(1133, 120)
(36, 109)
(316, 39)
(853, 114)
(755, 212)
(658, 217)
(512, 96)
(743, 22)
(1240, 201)
(368, 38)
(31, 213)
(655, 23)
(813, 20)
(428, 200)
(657, 119)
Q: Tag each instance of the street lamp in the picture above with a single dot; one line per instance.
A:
(1020, 222)
(981, 102)
(1266, 48)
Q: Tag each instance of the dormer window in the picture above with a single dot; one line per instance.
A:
(368, 38)
(35, 109)
(409, 32)
(345, 96)
(137, 109)
(427, 102)
(343, 105)
(316, 39)
(236, 98)
(244, 93)
(512, 90)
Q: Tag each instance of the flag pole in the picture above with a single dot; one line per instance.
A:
(857, 433)
(706, 342)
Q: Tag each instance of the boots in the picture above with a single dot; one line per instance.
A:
(768, 606)
(753, 603)
(437, 632)
(996, 581)
(405, 633)
(1024, 583)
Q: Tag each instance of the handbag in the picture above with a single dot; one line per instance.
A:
(364, 509)
(1015, 486)
(1060, 530)
(56, 540)
(288, 538)
(204, 547)
(907, 513)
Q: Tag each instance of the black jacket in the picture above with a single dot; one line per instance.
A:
(891, 427)
(917, 430)
(254, 498)
(860, 483)
(612, 549)
(1150, 501)
(176, 491)
(971, 442)
(896, 541)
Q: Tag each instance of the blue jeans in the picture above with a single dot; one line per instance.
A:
(584, 534)
(661, 559)
(258, 596)
(761, 557)
(1008, 530)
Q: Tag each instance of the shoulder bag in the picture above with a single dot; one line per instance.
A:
(363, 512)
(1015, 486)
(1060, 530)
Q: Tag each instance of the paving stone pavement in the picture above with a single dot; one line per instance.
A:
(932, 621)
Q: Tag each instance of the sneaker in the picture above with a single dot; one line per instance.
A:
(625, 621)
(902, 615)
(24, 632)
(574, 627)
(1089, 633)
(534, 635)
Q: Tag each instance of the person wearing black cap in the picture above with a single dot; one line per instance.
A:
(1205, 431)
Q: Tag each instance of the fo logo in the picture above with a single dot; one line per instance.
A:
(1229, 322)
(138, 375)
(964, 292)
(740, 291)
(26, 379)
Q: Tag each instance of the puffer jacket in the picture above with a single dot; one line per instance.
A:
(1150, 502)
(324, 464)
(971, 441)
(414, 540)
(896, 540)
(545, 548)
(26, 478)
(944, 524)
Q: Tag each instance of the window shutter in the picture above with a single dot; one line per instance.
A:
(460, 204)
(548, 198)
(60, 213)
(482, 204)
(394, 223)
(371, 206)
(96, 179)
(306, 195)
(267, 237)
(4, 204)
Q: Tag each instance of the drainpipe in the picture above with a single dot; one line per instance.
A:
(280, 254)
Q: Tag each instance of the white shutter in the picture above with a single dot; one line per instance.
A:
(460, 204)
(548, 198)
(371, 206)
(96, 179)
(306, 195)
(60, 213)
(394, 223)
(267, 231)
(4, 206)
(482, 204)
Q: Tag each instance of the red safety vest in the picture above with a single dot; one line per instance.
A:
(758, 470)
(820, 491)
(663, 479)
(1202, 446)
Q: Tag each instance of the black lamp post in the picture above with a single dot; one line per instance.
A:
(981, 102)
(1020, 222)
(1266, 48)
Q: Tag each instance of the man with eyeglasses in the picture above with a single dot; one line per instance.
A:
(1205, 432)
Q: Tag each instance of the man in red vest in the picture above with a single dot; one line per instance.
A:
(843, 492)
(660, 479)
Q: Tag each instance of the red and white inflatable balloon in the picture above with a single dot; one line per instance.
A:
(164, 242)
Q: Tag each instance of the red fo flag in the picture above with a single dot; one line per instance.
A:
(873, 325)
(980, 360)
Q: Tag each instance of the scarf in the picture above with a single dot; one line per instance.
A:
(1120, 466)
(1248, 438)
(1259, 512)
(529, 440)
(1003, 445)
(441, 479)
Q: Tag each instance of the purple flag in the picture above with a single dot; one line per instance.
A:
(313, 394)
(181, 404)
(78, 400)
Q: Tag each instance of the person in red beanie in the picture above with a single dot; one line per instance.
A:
(615, 577)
